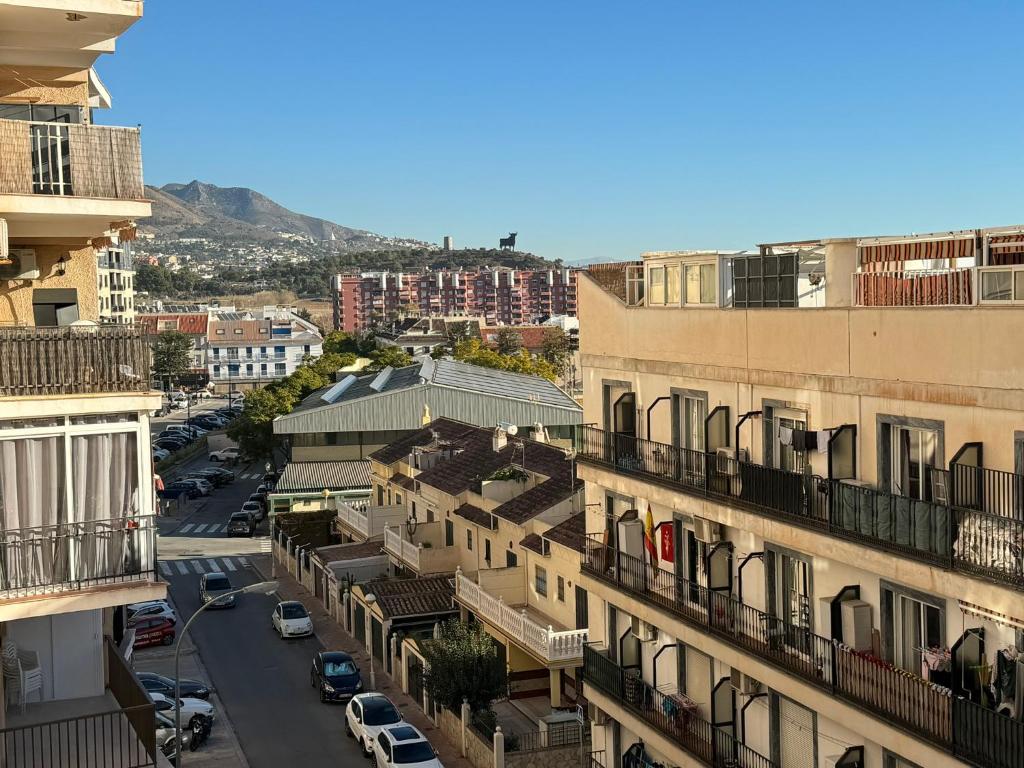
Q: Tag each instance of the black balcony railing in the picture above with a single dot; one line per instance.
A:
(917, 705)
(711, 745)
(979, 532)
(75, 555)
(72, 360)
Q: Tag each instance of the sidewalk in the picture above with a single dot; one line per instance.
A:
(334, 637)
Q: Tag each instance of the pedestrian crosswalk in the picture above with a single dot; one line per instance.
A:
(199, 566)
(207, 528)
(250, 476)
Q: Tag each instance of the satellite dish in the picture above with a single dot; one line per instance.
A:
(508, 427)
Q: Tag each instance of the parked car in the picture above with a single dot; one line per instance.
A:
(191, 709)
(263, 489)
(366, 714)
(254, 510)
(403, 745)
(203, 487)
(241, 524)
(174, 434)
(154, 683)
(208, 422)
(336, 676)
(224, 474)
(225, 413)
(155, 630)
(188, 429)
(159, 454)
(148, 609)
(212, 586)
(214, 475)
(225, 454)
(291, 619)
(166, 736)
(178, 489)
(172, 444)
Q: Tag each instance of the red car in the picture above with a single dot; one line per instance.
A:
(153, 631)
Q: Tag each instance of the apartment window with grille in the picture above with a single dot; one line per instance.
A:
(560, 589)
(487, 551)
(469, 540)
(449, 534)
(765, 280)
(540, 581)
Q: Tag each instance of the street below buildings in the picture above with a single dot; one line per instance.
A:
(262, 681)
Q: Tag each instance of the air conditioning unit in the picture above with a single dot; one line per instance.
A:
(744, 684)
(706, 530)
(597, 716)
(20, 264)
(857, 624)
(727, 461)
(642, 631)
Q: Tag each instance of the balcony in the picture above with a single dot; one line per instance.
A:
(421, 550)
(976, 533)
(366, 522)
(115, 729)
(915, 288)
(87, 171)
(917, 705)
(710, 745)
(37, 361)
(56, 559)
(542, 641)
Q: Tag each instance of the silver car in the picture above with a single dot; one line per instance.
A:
(212, 586)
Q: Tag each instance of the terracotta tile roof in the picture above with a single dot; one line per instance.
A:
(474, 514)
(446, 429)
(570, 533)
(194, 324)
(531, 336)
(250, 330)
(534, 543)
(413, 597)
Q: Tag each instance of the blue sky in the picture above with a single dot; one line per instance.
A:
(596, 130)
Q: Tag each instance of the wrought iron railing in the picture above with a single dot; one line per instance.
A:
(710, 744)
(73, 360)
(982, 538)
(76, 555)
(901, 697)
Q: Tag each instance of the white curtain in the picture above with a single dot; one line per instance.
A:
(32, 506)
(106, 505)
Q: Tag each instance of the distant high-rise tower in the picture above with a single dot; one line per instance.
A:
(449, 243)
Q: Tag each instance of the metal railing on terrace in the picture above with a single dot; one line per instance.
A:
(926, 709)
(76, 555)
(62, 159)
(978, 532)
(711, 745)
(71, 360)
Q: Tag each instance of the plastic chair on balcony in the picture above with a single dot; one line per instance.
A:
(22, 674)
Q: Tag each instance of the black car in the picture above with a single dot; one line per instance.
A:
(241, 524)
(154, 683)
(174, 490)
(336, 675)
(172, 444)
(225, 474)
(214, 476)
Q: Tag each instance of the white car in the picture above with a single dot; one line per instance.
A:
(403, 746)
(291, 619)
(159, 454)
(225, 454)
(365, 716)
(190, 708)
(151, 609)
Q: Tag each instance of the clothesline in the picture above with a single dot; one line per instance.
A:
(805, 440)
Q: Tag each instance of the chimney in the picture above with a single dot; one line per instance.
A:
(500, 440)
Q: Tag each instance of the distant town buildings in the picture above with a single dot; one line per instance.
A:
(499, 295)
(115, 283)
(449, 243)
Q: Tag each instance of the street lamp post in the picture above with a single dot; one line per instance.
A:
(262, 587)
(370, 600)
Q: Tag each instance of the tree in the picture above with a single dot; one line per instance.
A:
(340, 342)
(473, 352)
(254, 429)
(462, 663)
(172, 354)
(508, 341)
(555, 348)
(385, 356)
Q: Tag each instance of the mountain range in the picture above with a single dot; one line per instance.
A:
(198, 209)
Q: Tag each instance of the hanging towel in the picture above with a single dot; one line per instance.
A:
(785, 436)
(799, 442)
(810, 441)
(824, 435)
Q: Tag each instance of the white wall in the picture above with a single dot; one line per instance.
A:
(70, 648)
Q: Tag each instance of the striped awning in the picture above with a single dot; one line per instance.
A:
(952, 248)
(1008, 242)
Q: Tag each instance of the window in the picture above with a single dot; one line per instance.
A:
(216, 370)
(248, 369)
(560, 589)
(892, 760)
(672, 284)
(449, 534)
(263, 369)
(487, 551)
(511, 561)
(700, 284)
(916, 625)
(913, 451)
(279, 369)
(689, 413)
(540, 581)
(44, 113)
(469, 540)
(398, 498)
(220, 331)
(656, 288)
(1002, 285)
(233, 369)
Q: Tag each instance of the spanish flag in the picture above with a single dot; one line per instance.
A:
(652, 548)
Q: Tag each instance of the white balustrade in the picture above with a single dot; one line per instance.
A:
(548, 644)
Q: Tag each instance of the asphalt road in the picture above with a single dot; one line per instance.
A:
(263, 681)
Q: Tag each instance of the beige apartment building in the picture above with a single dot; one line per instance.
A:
(805, 529)
(76, 481)
(499, 517)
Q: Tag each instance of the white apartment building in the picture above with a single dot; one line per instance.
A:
(115, 281)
